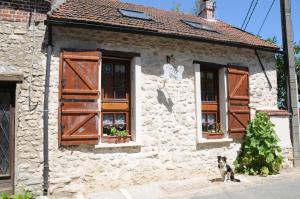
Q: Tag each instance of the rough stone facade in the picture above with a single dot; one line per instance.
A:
(16, 50)
(169, 149)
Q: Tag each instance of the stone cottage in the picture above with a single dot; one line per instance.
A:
(101, 94)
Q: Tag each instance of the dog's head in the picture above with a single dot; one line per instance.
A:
(221, 161)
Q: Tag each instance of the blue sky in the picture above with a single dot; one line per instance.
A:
(234, 12)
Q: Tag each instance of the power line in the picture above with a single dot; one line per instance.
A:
(251, 15)
(247, 14)
(266, 17)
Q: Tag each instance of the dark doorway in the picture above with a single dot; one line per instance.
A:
(7, 110)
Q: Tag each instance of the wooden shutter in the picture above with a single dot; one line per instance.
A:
(79, 94)
(238, 101)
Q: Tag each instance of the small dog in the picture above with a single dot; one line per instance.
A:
(225, 170)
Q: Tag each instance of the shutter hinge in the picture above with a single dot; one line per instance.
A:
(63, 83)
(62, 128)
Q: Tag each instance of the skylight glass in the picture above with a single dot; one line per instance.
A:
(134, 14)
(199, 25)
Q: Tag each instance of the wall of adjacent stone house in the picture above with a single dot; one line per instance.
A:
(169, 149)
(16, 50)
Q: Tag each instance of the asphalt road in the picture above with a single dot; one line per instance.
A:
(286, 189)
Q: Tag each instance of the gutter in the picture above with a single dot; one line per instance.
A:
(46, 114)
(116, 28)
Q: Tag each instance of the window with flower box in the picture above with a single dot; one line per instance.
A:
(95, 99)
(115, 100)
(209, 101)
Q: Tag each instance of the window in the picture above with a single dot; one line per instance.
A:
(209, 100)
(199, 26)
(115, 99)
(85, 115)
(134, 14)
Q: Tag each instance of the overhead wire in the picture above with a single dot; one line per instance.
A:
(247, 14)
(271, 6)
(251, 15)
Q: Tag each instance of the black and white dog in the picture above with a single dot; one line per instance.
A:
(225, 170)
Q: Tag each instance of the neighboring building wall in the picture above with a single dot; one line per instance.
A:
(16, 45)
(169, 149)
(23, 10)
(16, 50)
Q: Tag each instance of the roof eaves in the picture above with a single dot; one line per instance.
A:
(118, 28)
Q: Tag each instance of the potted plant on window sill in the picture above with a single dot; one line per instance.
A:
(214, 133)
(119, 135)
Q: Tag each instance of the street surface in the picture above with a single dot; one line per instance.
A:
(285, 185)
(285, 189)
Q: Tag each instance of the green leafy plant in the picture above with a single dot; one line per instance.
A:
(115, 132)
(261, 153)
(26, 195)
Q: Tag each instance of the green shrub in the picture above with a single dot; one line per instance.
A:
(26, 195)
(260, 153)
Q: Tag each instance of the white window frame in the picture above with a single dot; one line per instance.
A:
(222, 102)
(136, 109)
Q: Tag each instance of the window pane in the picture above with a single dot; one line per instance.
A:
(203, 94)
(211, 95)
(211, 120)
(4, 133)
(107, 80)
(208, 86)
(120, 81)
(202, 75)
(210, 75)
(120, 121)
(108, 123)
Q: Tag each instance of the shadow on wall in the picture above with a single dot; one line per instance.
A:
(165, 100)
(87, 149)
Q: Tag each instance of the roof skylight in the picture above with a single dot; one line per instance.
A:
(134, 14)
(199, 25)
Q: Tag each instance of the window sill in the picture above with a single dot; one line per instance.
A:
(120, 145)
(223, 140)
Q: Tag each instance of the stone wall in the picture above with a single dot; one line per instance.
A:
(16, 50)
(169, 149)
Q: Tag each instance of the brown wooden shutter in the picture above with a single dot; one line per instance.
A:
(238, 101)
(79, 94)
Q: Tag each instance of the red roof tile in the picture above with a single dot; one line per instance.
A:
(106, 12)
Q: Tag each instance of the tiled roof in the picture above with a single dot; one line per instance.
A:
(169, 23)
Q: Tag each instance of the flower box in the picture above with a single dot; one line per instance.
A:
(116, 139)
(213, 135)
